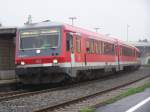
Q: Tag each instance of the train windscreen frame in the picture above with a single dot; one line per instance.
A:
(39, 38)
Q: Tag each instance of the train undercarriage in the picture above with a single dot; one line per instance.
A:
(55, 74)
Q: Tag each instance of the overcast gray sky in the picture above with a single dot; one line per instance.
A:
(111, 15)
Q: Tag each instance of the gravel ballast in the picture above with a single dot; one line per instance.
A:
(43, 100)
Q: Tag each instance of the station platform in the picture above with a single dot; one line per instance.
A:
(10, 84)
(9, 81)
(139, 102)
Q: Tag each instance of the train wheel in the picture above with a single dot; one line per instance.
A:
(90, 75)
(58, 78)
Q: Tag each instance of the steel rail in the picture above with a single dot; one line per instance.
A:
(12, 95)
(77, 100)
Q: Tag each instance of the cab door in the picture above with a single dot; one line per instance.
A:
(72, 51)
(70, 48)
(117, 57)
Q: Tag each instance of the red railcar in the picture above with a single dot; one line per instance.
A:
(53, 52)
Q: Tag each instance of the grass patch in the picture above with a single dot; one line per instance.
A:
(87, 109)
(129, 92)
(146, 65)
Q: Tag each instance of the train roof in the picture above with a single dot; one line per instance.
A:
(69, 28)
(89, 33)
(127, 44)
(79, 30)
(100, 36)
(43, 24)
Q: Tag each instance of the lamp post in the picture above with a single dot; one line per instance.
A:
(72, 20)
(127, 31)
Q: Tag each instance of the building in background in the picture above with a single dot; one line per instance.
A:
(144, 47)
(7, 53)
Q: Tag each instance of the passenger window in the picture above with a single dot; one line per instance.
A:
(108, 48)
(87, 46)
(78, 44)
(102, 47)
(99, 47)
(116, 50)
(91, 46)
(121, 52)
(127, 51)
(96, 47)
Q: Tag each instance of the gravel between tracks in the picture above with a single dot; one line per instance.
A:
(43, 100)
(96, 101)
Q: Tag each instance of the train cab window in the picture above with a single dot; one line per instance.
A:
(78, 44)
(69, 41)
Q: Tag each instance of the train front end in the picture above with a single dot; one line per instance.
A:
(38, 53)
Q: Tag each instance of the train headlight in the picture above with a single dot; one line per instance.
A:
(55, 61)
(22, 63)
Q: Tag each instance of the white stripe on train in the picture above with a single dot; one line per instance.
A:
(79, 64)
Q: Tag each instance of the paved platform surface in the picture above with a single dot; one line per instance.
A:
(7, 85)
(8, 81)
(136, 103)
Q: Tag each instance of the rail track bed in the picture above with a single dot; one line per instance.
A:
(9, 94)
(23, 90)
(51, 100)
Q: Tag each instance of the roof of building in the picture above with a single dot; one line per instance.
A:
(8, 30)
(140, 44)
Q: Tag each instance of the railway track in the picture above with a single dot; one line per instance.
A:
(81, 99)
(59, 97)
(6, 96)
(19, 94)
(15, 94)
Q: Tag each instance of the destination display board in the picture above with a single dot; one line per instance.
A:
(35, 33)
